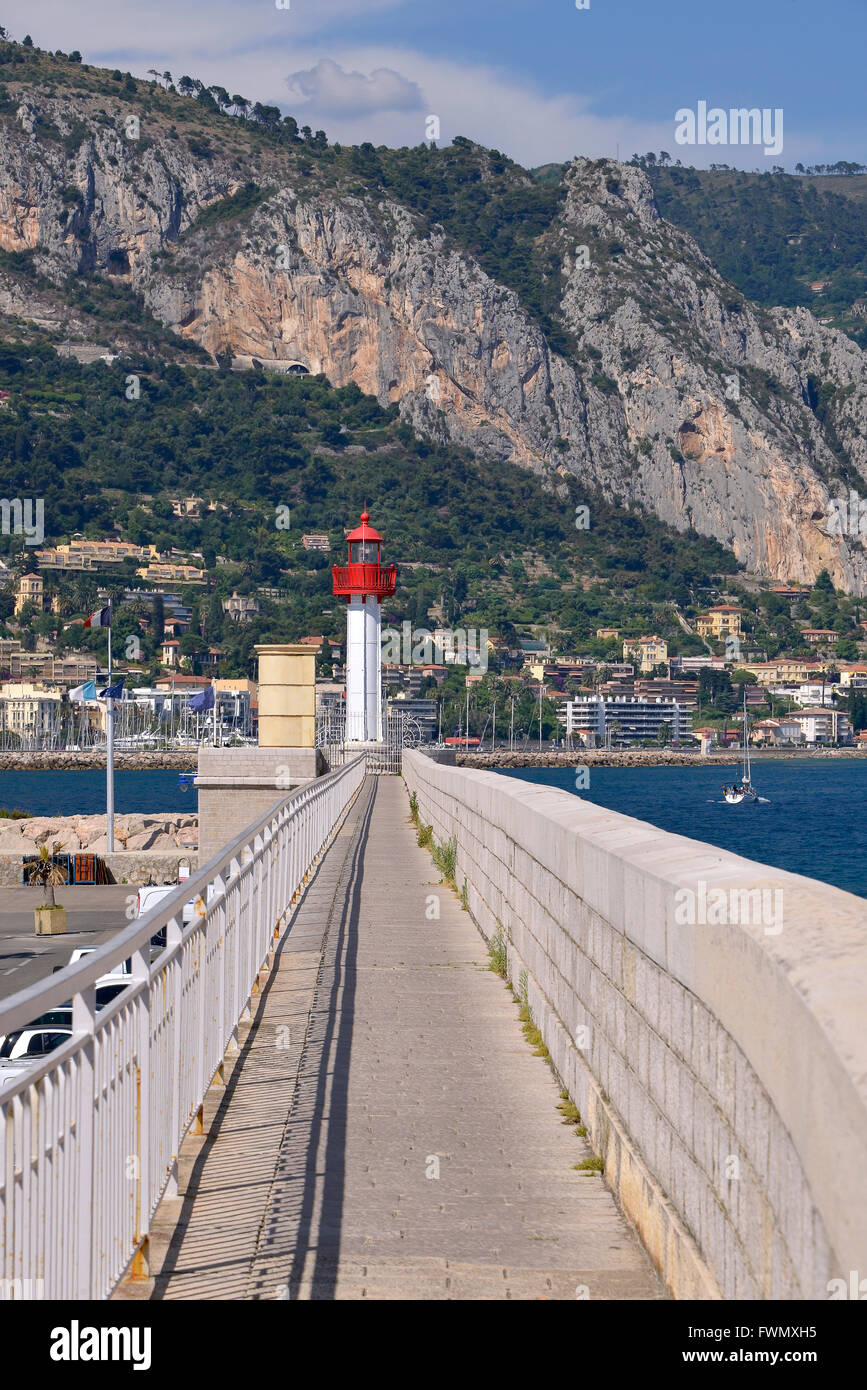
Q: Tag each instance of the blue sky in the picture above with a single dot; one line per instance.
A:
(541, 81)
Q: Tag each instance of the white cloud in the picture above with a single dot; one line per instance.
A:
(494, 107)
(328, 87)
(166, 34)
(353, 92)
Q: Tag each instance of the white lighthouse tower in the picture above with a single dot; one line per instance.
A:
(364, 582)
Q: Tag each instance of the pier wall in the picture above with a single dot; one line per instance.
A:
(135, 867)
(711, 1035)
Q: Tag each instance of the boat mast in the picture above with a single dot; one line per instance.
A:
(746, 742)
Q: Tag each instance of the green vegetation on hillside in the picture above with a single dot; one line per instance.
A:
(486, 204)
(475, 548)
(774, 235)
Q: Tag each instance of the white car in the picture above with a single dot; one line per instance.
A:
(10, 1071)
(30, 1043)
(123, 967)
(149, 897)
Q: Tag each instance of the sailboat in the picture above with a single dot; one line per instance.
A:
(743, 791)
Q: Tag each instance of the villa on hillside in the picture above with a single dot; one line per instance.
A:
(723, 620)
(647, 651)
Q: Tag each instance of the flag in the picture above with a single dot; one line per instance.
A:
(204, 700)
(113, 692)
(101, 618)
(83, 692)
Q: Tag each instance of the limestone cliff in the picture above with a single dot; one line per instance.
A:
(677, 394)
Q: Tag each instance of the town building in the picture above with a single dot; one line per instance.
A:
(163, 572)
(789, 591)
(187, 506)
(823, 726)
(820, 636)
(242, 608)
(685, 692)
(28, 710)
(83, 554)
(72, 669)
(813, 693)
(315, 541)
(316, 641)
(777, 732)
(647, 651)
(784, 671)
(852, 677)
(10, 648)
(684, 664)
(31, 589)
(424, 712)
(721, 621)
(626, 719)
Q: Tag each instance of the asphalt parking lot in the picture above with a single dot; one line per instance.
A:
(93, 916)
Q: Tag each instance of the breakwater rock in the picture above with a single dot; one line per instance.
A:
(72, 834)
(64, 761)
(597, 757)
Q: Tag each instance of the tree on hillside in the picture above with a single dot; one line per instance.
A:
(221, 97)
(158, 624)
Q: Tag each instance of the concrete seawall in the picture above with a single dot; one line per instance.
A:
(707, 1015)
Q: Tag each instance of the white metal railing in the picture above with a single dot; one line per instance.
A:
(89, 1137)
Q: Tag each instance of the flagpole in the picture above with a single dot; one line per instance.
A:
(109, 753)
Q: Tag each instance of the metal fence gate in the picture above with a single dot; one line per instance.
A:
(385, 758)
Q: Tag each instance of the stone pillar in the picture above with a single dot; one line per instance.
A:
(238, 785)
(287, 695)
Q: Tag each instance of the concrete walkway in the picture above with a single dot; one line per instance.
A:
(384, 1052)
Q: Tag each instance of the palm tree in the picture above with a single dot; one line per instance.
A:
(84, 593)
(46, 874)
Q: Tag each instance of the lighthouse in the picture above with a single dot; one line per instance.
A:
(364, 582)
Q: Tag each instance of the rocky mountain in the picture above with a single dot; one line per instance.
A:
(662, 386)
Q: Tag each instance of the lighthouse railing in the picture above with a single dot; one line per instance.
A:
(90, 1134)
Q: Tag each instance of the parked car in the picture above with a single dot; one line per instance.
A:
(58, 1017)
(148, 898)
(33, 1042)
(10, 1071)
(123, 967)
(108, 987)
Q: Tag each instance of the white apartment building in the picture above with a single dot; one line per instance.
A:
(28, 709)
(823, 725)
(629, 719)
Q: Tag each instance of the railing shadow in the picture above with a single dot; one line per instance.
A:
(339, 953)
(320, 1231)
